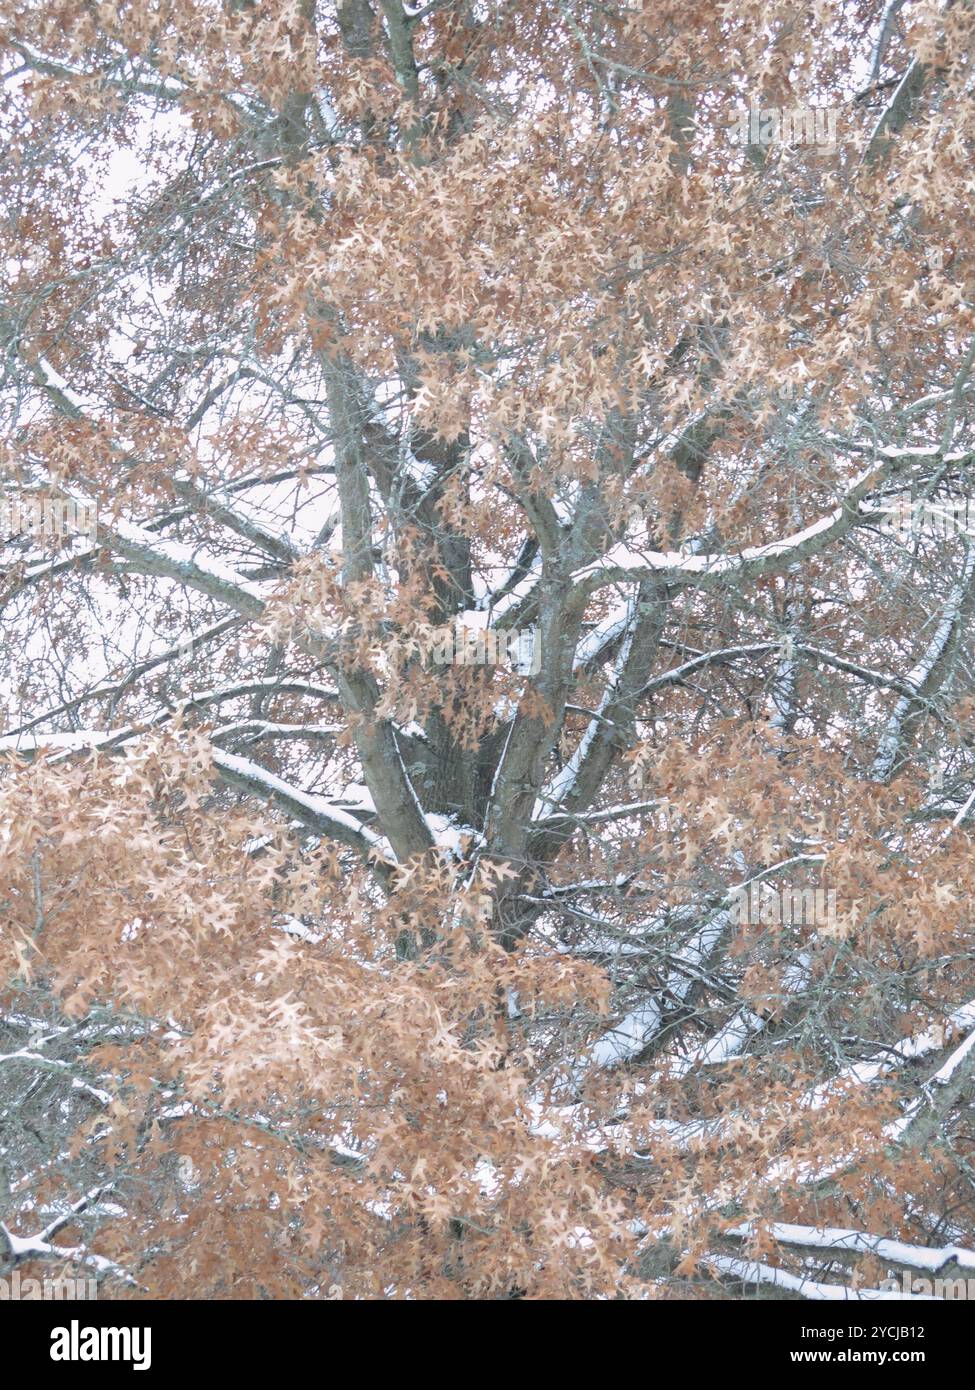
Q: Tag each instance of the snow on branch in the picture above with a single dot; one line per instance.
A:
(626, 563)
(923, 673)
(36, 1059)
(639, 1027)
(315, 812)
(635, 1031)
(924, 1115)
(753, 1272)
(827, 1240)
(318, 813)
(172, 560)
(39, 1246)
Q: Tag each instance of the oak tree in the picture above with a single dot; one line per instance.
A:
(487, 669)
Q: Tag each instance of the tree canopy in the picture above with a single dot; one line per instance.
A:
(487, 790)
